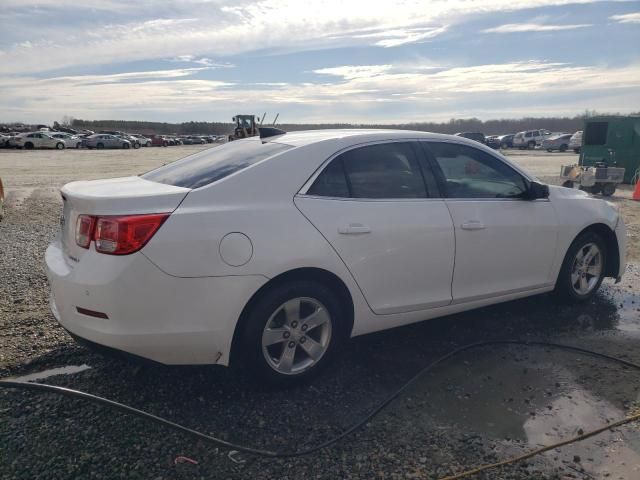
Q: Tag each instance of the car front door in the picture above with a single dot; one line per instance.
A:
(383, 216)
(504, 243)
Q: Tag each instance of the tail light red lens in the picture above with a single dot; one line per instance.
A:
(84, 230)
(119, 235)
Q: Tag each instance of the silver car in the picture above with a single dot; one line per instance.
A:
(557, 142)
(104, 140)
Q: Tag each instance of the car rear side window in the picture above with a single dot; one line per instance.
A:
(215, 163)
(596, 133)
(472, 173)
(382, 171)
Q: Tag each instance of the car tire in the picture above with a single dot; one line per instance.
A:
(608, 189)
(563, 148)
(126, 145)
(531, 145)
(285, 308)
(78, 145)
(549, 150)
(567, 184)
(60, 146)
(28, 146)
(576, 150)
(136, 145)
(100, 146)
(578, 279)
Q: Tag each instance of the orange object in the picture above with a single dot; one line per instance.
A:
(636, 192)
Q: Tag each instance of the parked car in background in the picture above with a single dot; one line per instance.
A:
(4, 139)
(557, 142)
(530, 138)
(492, 141)
(33, 140)
(142, 140)
(506, 141)
(102, 140)
(477, 136)
(186, 140)
(70, 141)
(195, 140)
(575, 142)
(281, 307)
(159, 141)
(135, 143)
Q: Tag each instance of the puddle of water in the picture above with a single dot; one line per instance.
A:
(534, 398)
(68, 370)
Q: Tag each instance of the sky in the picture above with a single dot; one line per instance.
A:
(375, 61)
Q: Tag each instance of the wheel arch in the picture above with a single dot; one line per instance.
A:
(325, 277)
(605, 232)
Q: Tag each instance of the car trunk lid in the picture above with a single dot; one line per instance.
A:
(117, 196)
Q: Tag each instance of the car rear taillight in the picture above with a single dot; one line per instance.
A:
(118, 235)
(84, 230)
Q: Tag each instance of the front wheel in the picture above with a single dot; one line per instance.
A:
(59, 145)
(291, 333)
(136, 145)
(583, 268)
(563, 148)
(531, 145)
(608, 189)
(126, 145)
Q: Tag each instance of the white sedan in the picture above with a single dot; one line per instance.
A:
(70, 141)
(270, 253)
(33, 140)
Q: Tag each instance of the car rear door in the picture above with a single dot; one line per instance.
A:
(385, 219)
(504, 244)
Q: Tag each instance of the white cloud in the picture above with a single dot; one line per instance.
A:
(227, 27)
(411, 90)
(350, 72)
(532, 27)
(626, 18)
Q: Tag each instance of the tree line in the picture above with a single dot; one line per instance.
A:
(455, 125)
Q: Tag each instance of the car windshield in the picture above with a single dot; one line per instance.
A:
(214, 164)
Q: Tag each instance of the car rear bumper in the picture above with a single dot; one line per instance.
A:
(148, 313)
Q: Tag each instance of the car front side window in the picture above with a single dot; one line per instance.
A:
(471, 173)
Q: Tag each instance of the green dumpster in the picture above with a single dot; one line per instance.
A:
(612, 139)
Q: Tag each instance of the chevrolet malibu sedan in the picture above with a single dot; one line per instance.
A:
(269, 254)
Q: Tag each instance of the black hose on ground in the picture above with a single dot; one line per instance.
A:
(14, 384)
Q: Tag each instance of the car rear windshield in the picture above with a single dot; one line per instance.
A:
(215, 163)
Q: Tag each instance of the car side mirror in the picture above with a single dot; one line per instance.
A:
(537, 190)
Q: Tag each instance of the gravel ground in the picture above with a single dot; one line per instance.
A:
(486, 405)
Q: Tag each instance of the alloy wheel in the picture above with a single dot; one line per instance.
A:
(296, 336)
(587, 269)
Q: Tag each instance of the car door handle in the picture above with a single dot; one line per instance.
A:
(353, 229)
(473, 225)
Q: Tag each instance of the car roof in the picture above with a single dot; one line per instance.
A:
(308, 137)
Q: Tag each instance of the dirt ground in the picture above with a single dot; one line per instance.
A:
(483, 406)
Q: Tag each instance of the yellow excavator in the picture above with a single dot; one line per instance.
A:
(248, 126)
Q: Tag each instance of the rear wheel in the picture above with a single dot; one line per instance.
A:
(291, 333)
(78, 145)
(136, 145)
(583, 268)
(28, 146)
(100, 146)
